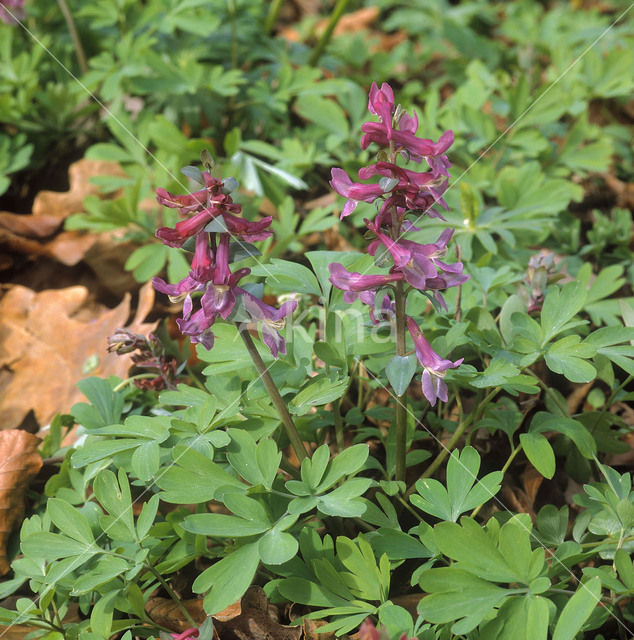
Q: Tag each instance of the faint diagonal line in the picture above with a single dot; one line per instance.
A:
(24, 615)
(523, 114)
(530, 532)
(112, 115)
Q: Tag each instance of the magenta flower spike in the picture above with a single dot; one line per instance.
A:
(434, 367)
(353, 283)
(210, 274)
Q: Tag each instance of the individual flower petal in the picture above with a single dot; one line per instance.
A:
(354, 191)
(434, 367)
(353, 282)
(270, 319)
(381, 104)
(185, 229)
(197, 327)
(247, 230)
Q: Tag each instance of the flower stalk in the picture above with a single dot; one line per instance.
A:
(278, 402)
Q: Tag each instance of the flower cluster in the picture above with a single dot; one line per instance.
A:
(398, 193)
(148, 355)
(210, 217)
(11, 11)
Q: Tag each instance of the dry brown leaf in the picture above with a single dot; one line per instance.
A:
(624, 191)
(166, 612)
(255, 621)
(229, 613)
(63, 204)
(46, 340)
(311, 630)
(29, 226)
(20, 462)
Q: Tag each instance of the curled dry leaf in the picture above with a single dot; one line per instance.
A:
(20, 233)
(51, 340)
(63, 204)
(255, 621)
(166, 612)
(20, 462)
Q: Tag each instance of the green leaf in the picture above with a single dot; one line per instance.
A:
(539, 453)
(623, 563)
(147, 261)
(69, 521)
(145, 461)
(304, 591)
(107, 569)
(114, 496)
(575, 430)
(228, 579)
(101, 614)
(93, 451)
(324, 112)
(461, 495)
(326, 352)
(313, 469)
(344, 500)
(289, 277)
(400, 371)
(194, 479)
(268, 458)
(223, 526)
(320, 390)
(456, 594)
(560, 306)
(52, 546)
(242, 455)
(578, 610)
(146, 517)
(277, 547)
(513, 304)
(568, 357)
(105, 406)
(349, 461)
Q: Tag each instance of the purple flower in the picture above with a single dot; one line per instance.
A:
(11, 11)
(353, 283)
(200, 274)
(196, 325)
(419, 263)
(271, 320)
(210, 272)
(406, 141)
(381, 104)
(354, 191)
(434, 367)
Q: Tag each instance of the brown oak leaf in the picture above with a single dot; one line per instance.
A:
(20, 462)
(51, 340)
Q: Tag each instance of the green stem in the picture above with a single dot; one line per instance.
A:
(195, 379)
(172, 594)
(338, 426)
(72, 29)
(338, 11)
(127, 381)
(445, 451)
(462, 426)
(401, 401)
(271, 18)
(280, 405)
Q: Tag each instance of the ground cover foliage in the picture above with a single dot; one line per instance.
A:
(452, 461)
